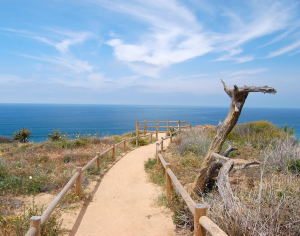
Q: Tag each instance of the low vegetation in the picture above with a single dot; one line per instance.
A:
(268, 195)
(27, 169)
(23, 135)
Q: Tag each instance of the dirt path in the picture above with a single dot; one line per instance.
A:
(124, 203)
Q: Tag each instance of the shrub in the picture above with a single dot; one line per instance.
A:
(55, 135)
(5, 139)
(22, 135)
(141, 141)
(150, 163)
(291, 131)
(19, 225)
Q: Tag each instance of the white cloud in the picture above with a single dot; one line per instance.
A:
(247, 72)
(13, 79)
(284, 50)
(76, 66)
(174, 34)
(62, 40)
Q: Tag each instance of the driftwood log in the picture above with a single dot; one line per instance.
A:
(212, 161)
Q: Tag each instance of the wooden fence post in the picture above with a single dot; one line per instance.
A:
(145, 127)
(98, 160)
(179, 125)
(158, 159)
(151, 139)
(114, 152)
(157, 125)
(156, 134)
(78, 181)
(167, 125)
(171, 136)
(137, 127)
(137, 140)
(185, 124)
(162, 144)
(190, 126)
(168, 182)
(35, 221)
(200, 210)
(124, 147)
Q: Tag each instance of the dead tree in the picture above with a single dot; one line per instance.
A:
(214, 162)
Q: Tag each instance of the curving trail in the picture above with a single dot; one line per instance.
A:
(124, 203)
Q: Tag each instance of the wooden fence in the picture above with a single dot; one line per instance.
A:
(168, 125)
(201, 222)
(37, 221)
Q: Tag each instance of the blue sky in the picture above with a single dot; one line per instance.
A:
(161, 52)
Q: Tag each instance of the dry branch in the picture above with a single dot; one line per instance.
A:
(229, 150)
(238, 97)
(244, 166)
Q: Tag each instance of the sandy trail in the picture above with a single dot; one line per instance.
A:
(124, 203)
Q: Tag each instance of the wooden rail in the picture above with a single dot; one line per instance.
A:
(201, 222)
(36, 222)
(157, 126)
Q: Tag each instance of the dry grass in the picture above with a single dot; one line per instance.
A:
(32, 168)
(267, 197)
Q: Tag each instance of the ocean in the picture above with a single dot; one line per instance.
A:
(106, 120)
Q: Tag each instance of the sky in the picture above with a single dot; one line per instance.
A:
(149, 52)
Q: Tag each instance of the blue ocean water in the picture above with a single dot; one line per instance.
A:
(41, 119)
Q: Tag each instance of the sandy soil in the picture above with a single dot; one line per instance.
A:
(124, 202)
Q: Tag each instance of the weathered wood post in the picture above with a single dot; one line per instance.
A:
(156, 134)
(114, 152)
(98, 160)
(168, 182)
(35, 221)
(200, 210)
(78, 181)
(179, 125)
(157, 127)
(185, 124)
(190, 126)
(137, 127)
(171, 134)
(162, 144)
(137, 140)
(157, 152)
(151, 139)
(145, 127)
(167, 125)
(124, 147)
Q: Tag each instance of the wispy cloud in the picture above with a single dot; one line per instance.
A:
(13, 79)
(284, 49)
(62, 40)
(174, 34)
(247, 72)
(76, 66)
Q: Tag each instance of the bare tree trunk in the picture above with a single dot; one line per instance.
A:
(211, 164)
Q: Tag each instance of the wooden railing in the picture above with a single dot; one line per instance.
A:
(37, 221)
(168, 125)
(201, 222)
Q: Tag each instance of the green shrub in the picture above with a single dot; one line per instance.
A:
(291, 131)
(294, 166)
(141, 141)
(150, 163)
(19, 225)
(3, 171)
(55, 135)
(22, 135)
